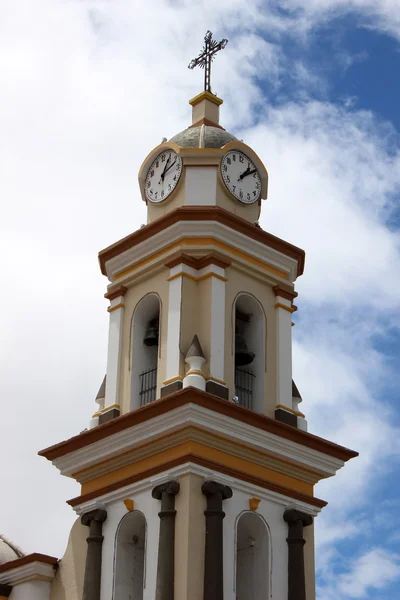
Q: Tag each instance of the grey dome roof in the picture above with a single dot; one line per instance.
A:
(8, 550)
(204, 136)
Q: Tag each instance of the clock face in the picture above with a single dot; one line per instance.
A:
(241, 176)
(163, 176)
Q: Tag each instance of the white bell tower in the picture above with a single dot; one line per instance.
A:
(197, 472)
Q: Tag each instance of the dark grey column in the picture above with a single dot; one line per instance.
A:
(296, 521)
(5, 590)
(166, 492)
(213, 563)
(94, 520)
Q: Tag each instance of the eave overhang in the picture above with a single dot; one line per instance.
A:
(203, 214)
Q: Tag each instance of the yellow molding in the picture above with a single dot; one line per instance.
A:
(210, 241)
(206, 96)
(194, 278)
(103, 410)
(211, 378)
(199, 449)
(291, 410)
(130, 504)
(195, 372)
(111, 309)
(173, 379)
(253, 503)
(288, 308)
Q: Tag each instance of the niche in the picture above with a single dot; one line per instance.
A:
(130, 557)
(252, 558)
(249, 354)
(145, 344)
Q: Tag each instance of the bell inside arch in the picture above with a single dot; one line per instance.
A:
(242, 355)
(151, 337)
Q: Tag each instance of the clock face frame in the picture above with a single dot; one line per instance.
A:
(163, 175)
(241, 177)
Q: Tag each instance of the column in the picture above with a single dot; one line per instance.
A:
(166, 492)
(213, 563)
(173, 380)
(296, 520)
(284, 309)
(116, 310)
(94, 520)
(5, 591)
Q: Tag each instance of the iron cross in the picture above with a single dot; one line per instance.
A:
(205, 58)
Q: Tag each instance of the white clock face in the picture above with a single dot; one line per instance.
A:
(163, 176)
(241, 177)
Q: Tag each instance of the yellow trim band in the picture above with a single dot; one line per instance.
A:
(195, 372)
(172, 380)
(193, 241)
(294, 412)
(103, 410)
(111, 309)
(211, 378)
(288, 308)
(206, 96)
(194, 278)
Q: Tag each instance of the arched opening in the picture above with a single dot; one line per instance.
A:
(253, 574)
(130, 545)
(145, 344)
(249, 354)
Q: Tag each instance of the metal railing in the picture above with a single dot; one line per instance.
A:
(148, 386)
(244, 383)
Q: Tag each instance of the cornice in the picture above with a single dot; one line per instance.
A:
(192, 406)
(205, 214)
(195, 469)
(33, 566)
(199, 460)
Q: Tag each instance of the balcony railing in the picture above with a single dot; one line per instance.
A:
(148, 386)
(244, 383)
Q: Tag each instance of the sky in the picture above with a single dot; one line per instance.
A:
(88, 88)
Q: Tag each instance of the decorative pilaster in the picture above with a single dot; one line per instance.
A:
(284, 310)
(116, 310)
(213, 563)
(296, 521)
(166, 492)
(94, 520)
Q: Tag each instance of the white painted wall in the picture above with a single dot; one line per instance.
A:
(284, 353)
(201, 186)
(114, 352)
(31, 590)
(174, 326)
(217, 346)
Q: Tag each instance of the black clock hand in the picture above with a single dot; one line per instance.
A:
(246, 173)
(165, 170)
(170, 167)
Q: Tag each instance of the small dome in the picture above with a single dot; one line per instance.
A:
(204, 136)
(8, 550)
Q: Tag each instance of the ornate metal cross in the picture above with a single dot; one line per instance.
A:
(205, 58)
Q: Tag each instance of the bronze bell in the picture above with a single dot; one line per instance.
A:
(242, 355)
(151, 337)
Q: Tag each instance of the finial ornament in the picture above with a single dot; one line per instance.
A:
(206, 56)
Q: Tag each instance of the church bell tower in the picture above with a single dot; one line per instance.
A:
(197, 471)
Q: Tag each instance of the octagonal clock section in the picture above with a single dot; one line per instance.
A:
(232, 178)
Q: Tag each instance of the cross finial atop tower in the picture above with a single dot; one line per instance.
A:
(205, 58)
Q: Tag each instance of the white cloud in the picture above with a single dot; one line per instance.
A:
(374, 570)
